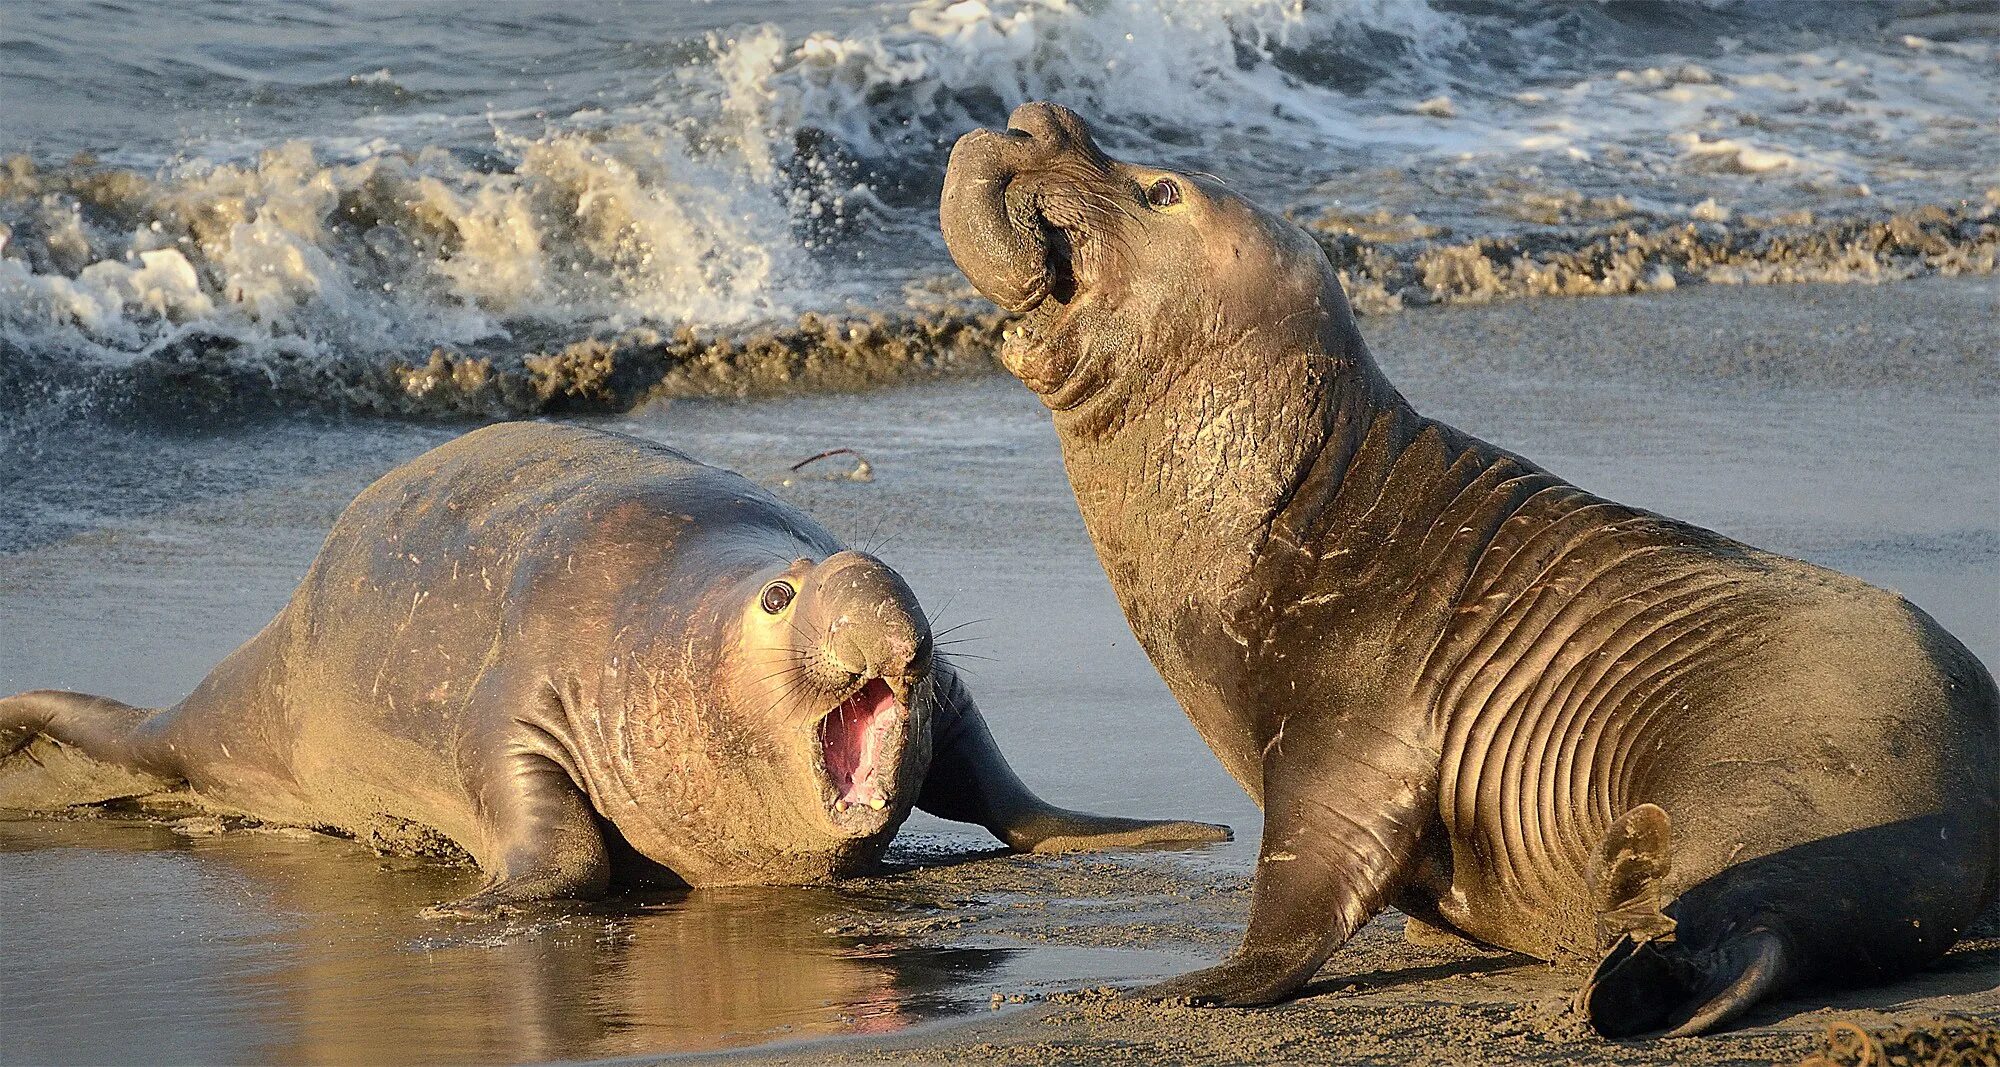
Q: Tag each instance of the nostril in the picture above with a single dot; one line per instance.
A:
(1033, 121)
(1053, 124)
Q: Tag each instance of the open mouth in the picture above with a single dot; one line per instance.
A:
(1058, 266)
(855, 742)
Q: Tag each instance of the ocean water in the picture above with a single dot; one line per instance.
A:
(224, 197)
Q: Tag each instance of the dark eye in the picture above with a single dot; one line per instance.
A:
(777, 597)
(1163, 193)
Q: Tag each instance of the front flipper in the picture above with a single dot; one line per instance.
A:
(1053, 829)
(970, 781)
(542, 839)
(1342, 816)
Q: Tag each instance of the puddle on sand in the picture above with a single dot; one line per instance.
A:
(128, 942)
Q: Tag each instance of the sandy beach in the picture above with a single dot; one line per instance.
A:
(1849, 425)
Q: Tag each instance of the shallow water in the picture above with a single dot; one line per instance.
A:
(1850, 426)
(269, 948)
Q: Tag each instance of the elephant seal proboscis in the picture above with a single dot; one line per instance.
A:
(1455, 684)
(574, 654)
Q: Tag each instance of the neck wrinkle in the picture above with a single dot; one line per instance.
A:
(1356, 406)
(1180, 498)
(1224, 459)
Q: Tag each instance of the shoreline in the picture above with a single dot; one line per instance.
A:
(941, 329)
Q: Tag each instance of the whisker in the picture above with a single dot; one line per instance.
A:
(784, 695)
(949, 630)
(780, 674)
(951, 660)
(800, 633)
(1089, 189)
(945, 608)
(874, 532)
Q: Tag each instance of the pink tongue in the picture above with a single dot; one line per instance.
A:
(849, 739)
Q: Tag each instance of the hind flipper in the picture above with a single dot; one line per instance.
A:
(61, 749)
(1664, 987)
(1747, 968)
(1651, 979)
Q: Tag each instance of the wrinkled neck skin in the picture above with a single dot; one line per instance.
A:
(683, 745)
(1179, 477)
(1220, 450)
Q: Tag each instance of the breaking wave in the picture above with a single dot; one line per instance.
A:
(373, 238)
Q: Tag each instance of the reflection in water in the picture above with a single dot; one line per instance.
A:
(127, 942)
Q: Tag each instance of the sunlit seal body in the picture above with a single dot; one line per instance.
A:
(573, 654)
(1456, 684)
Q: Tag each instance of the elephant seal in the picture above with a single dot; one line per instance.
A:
(573, 655)
(1456, 684)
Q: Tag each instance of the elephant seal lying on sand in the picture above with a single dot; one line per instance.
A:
(569, 651)
(1456, 684)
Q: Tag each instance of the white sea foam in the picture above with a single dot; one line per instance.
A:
(1138, 67)
(400, 251)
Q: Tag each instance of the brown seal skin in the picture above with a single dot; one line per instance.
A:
(1456, 684)
(574, 655)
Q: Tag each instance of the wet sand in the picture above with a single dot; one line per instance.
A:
(1850, 425)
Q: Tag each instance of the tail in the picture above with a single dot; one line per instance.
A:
(60, 750)
(1650, 978)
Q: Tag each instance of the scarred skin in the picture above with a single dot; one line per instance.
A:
(554, 647)
(1456, 684)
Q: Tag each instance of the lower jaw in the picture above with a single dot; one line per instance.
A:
(859, 812)
(1026, 356)
(863, 821)
(855, 807)
(866, 808)
(799, 863)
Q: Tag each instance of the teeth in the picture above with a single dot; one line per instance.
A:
(877, 803)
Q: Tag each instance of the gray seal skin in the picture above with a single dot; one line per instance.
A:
(1455, 684)
(574, 655)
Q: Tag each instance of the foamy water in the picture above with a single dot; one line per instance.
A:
(280, 189)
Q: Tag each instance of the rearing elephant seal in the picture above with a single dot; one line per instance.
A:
(1456, 684)
(569, 651)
